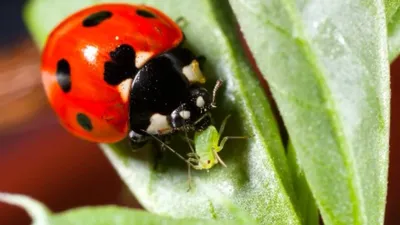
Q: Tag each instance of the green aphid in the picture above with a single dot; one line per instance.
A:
(207, 144)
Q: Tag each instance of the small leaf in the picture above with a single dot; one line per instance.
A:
(104, 215)
(393, 23)
(37, 211)
(305, 200)
(327, 65)
(257, 178)
(391, 9)
(107, 215)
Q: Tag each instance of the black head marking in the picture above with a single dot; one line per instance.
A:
(122, 65)
(145, 13)
(96, 18)
(84, 121)
(63, 75)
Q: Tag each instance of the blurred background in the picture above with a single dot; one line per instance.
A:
(40, 159)
(37, 156)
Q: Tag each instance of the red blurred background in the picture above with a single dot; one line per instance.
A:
(40, 159)
(37, 156)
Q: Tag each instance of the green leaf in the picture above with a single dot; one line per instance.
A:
(106, 215)
(393, 26)
(305, 200)
(391, 9)
(39, 213)
(257, 178)
(103, 215)
(327, 66)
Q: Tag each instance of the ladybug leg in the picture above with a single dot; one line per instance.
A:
(167, 141)
(137, 141)
(181, 21)
(158, 156)
(164, 142)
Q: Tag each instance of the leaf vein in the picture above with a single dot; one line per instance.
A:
(329, 104)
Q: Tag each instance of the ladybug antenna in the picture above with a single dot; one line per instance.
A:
(218, 84)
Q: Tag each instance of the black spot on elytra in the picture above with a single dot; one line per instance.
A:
(63, 75)
(145, 13)
(121, 66)
(96, 18)
(84, 121)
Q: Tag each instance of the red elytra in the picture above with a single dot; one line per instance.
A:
(74, 65)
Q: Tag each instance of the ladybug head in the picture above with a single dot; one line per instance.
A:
(200, 99)
(195, 113)
(189, 117)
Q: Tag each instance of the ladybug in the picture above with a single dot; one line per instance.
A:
(117, 70)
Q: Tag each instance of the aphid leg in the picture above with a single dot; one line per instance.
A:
(222, 128)
(187, 139)
(190, 142)
(188, 162)
(190, 146)
(193, 160)
(189, 177)
(170, 149)
(225, 139)
(219, 159)
(193, 157)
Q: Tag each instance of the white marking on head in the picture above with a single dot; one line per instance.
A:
(200, 102)
(124, 88)
(131, 134)
(193, 73)
(141, 58)
(90, 53)
(158, 123)
(185, 114)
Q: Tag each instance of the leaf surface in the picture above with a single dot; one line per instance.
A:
(393, 25)
(327, 65)
(257, 178)
(103, 215)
